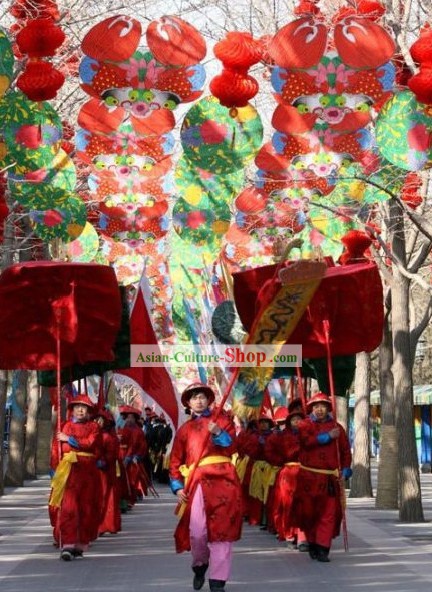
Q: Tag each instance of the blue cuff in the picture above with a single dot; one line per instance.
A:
(347, 473)
(324, 438)
(137, 457)
(127, 460)
(175, 485)
(73, 442)
(51, 473)
(223, 439)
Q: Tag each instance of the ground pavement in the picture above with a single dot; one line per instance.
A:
(384, 555)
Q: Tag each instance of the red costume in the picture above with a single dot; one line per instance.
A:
(110, 511)
(317, 505)
(219, 481)
(75, 517)
(282, 449)
(133, 449)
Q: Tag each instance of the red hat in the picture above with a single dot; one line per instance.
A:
(319, 398)
(193, 388)
(280, 414)
(81, 400)
(126, 409)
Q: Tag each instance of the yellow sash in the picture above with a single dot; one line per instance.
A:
(185, 471)
(118, 470)
(61, 476)
(241, 466)
(334, 472)
(263, 476)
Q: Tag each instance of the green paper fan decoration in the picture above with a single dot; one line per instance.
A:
(6, 62)
(85, 247)
(200, 226)
(403, 132)
(215, 141)
(202, 188)
(64, 221)
(32, 132)
(60, 175)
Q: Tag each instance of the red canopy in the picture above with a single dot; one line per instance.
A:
(350, 297)
(38, 300)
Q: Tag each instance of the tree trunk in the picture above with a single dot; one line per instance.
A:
(387, 487)
(3, 395)
(410, 502)
(31, 427)
(361, 484)
(15, 469)
(45, 428)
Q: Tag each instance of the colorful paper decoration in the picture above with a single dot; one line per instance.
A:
(175, 42)
(85, 247)
(404, 131)
(6, 62)
(217, 142)
(200, 226)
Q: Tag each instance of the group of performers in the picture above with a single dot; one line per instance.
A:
(98, 472)
(288, 479)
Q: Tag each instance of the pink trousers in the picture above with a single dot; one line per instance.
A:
(217, 555)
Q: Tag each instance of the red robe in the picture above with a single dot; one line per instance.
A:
(314, 489)
(76, 522)
(252, 444)
(133, 444)
(219, 482)
(283, 448)
(110, 510)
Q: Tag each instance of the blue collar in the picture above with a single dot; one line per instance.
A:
(205, 413)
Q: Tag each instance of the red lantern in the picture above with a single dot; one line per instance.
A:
(233, 88)
(39, 38)
(421, 50)
(238, 50)
(421, 85)
(32, 9)
(40, 81)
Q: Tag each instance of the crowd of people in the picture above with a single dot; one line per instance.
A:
(100, 468)
(284, 474)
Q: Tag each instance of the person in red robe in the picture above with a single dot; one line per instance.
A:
(110, 520)
(75, 496)
(133, 450)
(207, 487)
(283, 449)
(325, 460)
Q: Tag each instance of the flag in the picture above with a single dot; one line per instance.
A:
(190, 319)
(155, 381)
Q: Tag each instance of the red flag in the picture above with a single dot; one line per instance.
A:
(155, 381)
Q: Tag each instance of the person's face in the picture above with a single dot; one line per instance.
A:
(320, 410)
(264, 426)
(198, 402)
(294, 421)
(80, 412)
(130, 419)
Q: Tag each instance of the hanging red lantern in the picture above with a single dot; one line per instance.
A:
(33, 9)
(238, 50)
(40, 38)
(40, 81)
(233, 88)
(421, 50)
(421, 85)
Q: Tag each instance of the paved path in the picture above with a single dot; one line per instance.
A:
(384, 555)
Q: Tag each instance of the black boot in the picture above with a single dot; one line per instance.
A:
(313, 550)
(323, 554)
(217, 585)
(199, 577)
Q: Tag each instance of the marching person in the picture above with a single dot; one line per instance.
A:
(211, 502)
(133, 450)
(110, 520)
(324, 454)
(76, 496)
